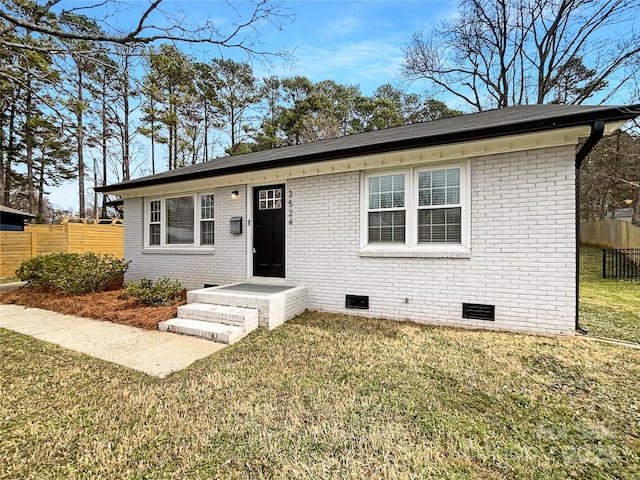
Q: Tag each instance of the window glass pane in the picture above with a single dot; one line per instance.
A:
(180, 220)
(374, 201)
(386, 191)
(441, 187)
(386, 200)
(270, 199)
(437, 196)
(154, 210)
(398, 190)
(453, 195)
(424, 233)
(374, 184)
(437, 216)
(453, 177)
(424, 180)
(387, 227)
(437, 233)
(453, 215)
(424, 198)
(454, 233)
(154, 234)
(440, 225)
(206, 232)
(206, 207)
(438, 178)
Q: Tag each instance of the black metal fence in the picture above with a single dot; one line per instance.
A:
(621, 263)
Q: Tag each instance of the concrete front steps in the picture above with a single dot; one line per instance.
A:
(220, 323)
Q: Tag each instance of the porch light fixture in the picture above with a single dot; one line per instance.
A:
(235, 194)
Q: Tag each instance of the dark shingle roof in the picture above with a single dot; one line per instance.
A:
(477, 126)
(13, 211)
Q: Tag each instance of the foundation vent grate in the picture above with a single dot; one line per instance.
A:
(476, 311)
(360, 302)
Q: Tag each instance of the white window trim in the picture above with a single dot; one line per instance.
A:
(411, 247)
(164, 246)
(367, 209)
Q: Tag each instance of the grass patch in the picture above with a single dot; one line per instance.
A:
(4, 280)
(329, 396)
(608, 308)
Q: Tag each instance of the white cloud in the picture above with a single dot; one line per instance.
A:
(368, 63)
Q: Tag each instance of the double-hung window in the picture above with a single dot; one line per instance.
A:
(207, 220)
(420, 210)
(180, 221)
(439, 207)
(387, 213)
(180, 224)
(155, 217)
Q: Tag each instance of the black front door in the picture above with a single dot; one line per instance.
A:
(268, 231)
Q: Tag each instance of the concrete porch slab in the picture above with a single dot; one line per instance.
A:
(275, 303)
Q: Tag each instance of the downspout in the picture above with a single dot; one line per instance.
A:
(597, 131)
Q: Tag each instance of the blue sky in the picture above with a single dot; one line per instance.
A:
(352, 42)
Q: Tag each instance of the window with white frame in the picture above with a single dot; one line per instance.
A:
(206, 219)
(424, 208)
(386, 212)
(179, 221)
(155, 208)
(180, 224)
(439, 207)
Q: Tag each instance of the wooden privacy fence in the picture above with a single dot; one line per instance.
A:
(610, 234)
(15, 247)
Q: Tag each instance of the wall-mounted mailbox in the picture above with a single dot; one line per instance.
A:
(235, 225)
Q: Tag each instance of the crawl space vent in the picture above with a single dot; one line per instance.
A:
(476, 311)
(357, 301)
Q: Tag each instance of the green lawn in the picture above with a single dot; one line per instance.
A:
(329, 396)
(608, 308)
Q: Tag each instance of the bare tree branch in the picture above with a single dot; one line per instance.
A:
(530, 50)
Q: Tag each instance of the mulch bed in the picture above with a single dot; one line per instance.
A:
(112, 306)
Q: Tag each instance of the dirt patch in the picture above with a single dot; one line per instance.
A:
(112, 306)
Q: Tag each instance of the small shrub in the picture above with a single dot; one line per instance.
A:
(164, 292)
(72, 273)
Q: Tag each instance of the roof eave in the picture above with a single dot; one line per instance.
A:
(615, 114)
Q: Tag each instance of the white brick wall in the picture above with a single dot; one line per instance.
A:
(522, 258)
(522, 241)
(193, 269)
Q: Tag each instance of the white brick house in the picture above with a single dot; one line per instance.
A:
(405, 223)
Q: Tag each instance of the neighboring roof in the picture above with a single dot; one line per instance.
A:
(477, 126)
(621, 213)
(13, 211)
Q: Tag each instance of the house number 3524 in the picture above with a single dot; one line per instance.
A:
(290, 202)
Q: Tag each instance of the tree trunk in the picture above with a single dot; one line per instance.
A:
(2, 156)
(80, 139)
(28, 141)
(635, 219)
(126, 167)
(10, 153)
(170, 145)
(41, 189)
(205, 156)
(153, 147)
(105, 132)
(95, 184)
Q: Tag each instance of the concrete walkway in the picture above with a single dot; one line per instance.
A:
(152, 352)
